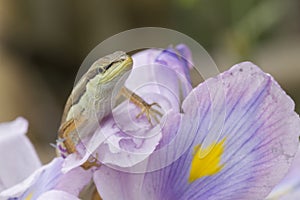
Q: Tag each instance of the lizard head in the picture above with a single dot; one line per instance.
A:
(112, 66)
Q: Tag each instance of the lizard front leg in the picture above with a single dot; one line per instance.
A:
(146, 108)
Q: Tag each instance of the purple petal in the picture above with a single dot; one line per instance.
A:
(260, 129)
(256, 140)
(16, 150)
(186, 53)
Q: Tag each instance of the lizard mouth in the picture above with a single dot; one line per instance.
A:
(111, 64)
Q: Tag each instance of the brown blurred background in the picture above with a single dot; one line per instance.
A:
(43, 42)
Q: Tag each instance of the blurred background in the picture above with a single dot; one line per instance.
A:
(43, 42)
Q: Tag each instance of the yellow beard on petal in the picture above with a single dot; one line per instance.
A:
(29, 196)
(206, 161)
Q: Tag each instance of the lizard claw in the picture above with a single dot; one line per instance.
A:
(150, 112)
(145, 107)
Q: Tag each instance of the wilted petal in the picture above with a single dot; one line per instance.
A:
(18, 157)
(254, 143)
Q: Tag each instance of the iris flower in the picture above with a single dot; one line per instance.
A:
(233, 136)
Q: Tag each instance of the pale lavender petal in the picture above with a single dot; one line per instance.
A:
(18, 157)
(42, 180)
(178, 59)
(74, 181)
(130, 140)
(259, 139)
(47, 178)
(57, 195)
(289, 187)
(116, 185)
(145, 57)
(161, 72)
(291, 195)
(84, 152)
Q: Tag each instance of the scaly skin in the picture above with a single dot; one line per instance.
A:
(90, 101)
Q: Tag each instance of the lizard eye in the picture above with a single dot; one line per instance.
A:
(100, 70)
